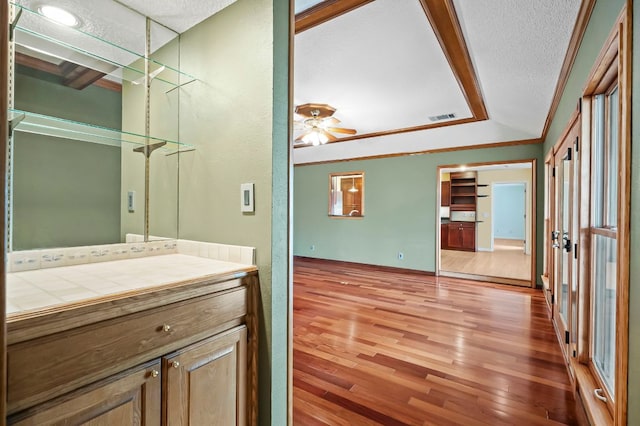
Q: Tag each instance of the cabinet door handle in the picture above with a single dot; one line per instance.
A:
(175, 364)
(155, 373)
(166, 328)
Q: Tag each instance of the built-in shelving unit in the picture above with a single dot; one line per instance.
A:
(463, 191)
(482, 185)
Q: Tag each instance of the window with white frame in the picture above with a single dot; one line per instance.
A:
(604, 196)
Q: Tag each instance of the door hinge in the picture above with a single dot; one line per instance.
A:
(579, 105)
(575, 251)
(553, 172)
(553, 299)
(568, 154)
(577, 143)
(575, 354)
(566, 336)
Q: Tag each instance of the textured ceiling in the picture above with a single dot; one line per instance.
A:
(379, 73)
(178, 15)
(517, 48)
(122, 24)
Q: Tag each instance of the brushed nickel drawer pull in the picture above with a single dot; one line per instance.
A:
(175, 364)
(166, 328)
(599, 395)
(154, 373)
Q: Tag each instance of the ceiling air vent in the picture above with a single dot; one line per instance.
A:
(442, 117)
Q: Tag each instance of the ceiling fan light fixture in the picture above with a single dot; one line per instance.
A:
(59, 15)
(315, 138)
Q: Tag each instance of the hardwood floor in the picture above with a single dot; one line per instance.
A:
(379, 347)
(507, 260)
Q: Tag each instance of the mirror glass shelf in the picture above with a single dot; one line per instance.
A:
(29, 122)
(37, 36)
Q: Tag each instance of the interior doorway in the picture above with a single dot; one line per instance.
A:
(510, 216)
(486, 222)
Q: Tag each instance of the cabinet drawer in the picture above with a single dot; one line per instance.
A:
(45, 367)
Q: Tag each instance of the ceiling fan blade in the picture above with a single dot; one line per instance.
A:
(330, 121)
(342, 130)
(329, 136)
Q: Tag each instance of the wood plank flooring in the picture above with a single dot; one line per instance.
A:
(507, 260)
(380, 347)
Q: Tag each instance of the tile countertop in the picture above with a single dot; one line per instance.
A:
(44, 288)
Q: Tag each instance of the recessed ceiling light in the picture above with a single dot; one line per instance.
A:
(59, 15)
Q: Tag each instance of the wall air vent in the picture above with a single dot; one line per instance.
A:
(442, 117)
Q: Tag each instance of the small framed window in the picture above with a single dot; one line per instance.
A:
(346, 194)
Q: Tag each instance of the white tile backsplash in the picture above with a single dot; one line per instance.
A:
(30, 260)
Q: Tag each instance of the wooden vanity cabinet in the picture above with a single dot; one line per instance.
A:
(190, 362)
(130, 398)
(205, 384)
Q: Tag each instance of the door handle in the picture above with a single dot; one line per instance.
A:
(554, 239)
(567, 242)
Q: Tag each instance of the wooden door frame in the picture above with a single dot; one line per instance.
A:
(565, 143)
(532, 232)
(547, 272)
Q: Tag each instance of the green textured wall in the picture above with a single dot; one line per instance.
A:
(66, 193)
(401, 209)
(605, 13)
(236, 116)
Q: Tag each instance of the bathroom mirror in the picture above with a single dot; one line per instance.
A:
(77, 176)
(346, 194)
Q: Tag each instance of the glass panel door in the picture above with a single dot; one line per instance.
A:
(563, 275)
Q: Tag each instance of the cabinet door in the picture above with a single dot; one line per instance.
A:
(444, 236)
(205, 383)
(468, 232)
(129, 398)
(445, 193)
(454, 237)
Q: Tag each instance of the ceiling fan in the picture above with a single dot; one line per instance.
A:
(318, 123)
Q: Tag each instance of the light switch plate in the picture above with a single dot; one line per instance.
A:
(246, 198)
(131, 201)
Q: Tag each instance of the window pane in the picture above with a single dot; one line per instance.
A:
(604, 326)
(598, 159)
(612, 160)
(346, 194)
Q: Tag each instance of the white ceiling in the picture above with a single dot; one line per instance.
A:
(380, 65)
(379, 73)
(121, 23)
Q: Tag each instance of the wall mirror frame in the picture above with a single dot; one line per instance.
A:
(346, 195)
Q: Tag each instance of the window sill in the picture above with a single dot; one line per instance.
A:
(596, 410)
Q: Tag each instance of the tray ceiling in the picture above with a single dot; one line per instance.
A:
(382, 67)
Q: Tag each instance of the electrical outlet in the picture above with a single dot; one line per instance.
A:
(400, 255)
(312, 247)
